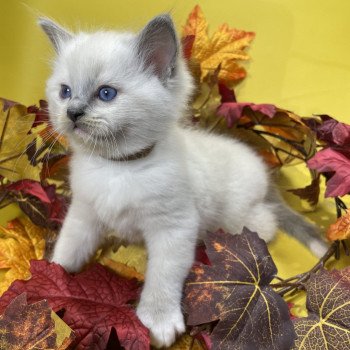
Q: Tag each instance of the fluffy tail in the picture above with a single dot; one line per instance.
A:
(295, 225)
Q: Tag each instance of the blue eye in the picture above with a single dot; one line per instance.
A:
(65, 92)
(107, 93)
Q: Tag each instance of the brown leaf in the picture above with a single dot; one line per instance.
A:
(310, 193)
(29, 327)
(234, 290)
(328, 302)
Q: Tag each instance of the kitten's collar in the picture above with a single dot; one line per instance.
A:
(135, 156)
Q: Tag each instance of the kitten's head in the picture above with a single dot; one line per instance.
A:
(116, 93)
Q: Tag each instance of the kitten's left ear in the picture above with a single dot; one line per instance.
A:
(157, 46)
(55, 33)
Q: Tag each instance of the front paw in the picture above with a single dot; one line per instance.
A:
(70, 265)
(164, 324)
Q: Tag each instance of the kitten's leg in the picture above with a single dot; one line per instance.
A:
(170, 256)
(79, 237)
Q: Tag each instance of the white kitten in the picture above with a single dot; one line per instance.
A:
(118, 97)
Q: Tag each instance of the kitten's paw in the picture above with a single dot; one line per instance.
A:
(163, 326)
(69, 265)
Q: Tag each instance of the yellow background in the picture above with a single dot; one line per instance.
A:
(300, 61)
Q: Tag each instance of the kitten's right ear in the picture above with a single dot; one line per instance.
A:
(55, 33)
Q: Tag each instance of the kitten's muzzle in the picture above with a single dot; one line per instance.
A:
(75, 114)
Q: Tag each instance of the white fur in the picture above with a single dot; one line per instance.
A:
(191, 182)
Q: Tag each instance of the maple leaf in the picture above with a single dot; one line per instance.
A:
(235, 291)
(331, 131)
(232, 110)
(330, 161)
(15, 124)
(310, 193)
(340, 229)
(223, 49)
(94, 301)
(328, 302)
(20, 242)
(30, 327)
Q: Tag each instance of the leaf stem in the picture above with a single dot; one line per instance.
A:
(297, 282)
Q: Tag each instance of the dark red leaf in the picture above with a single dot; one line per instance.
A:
(233, 111)
(329, 160)
(30, 187)
(234, 290)
(95, 301)
(227, 95)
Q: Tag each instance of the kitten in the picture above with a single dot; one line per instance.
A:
(118, 97)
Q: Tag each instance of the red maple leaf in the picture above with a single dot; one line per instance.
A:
(93, 302)
(232, 110)
(331, 161)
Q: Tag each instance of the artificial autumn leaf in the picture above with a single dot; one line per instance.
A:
(30, 187)
(122, 269)
(224, 48)
(20, 242)
(93, 302)
(310, 192)
(15, 124)
(329, 130)
(29, 327)
(328, 302)
(43, 205)
(65, 335)
(133, 256)
(41, 113)
(186, 342)
(340, 229)
(233, 111)
(338, 165)
(235, 291)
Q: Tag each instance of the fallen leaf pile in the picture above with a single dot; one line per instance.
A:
(229, 298)
(91, 303)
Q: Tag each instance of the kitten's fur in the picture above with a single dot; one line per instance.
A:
(189, 183)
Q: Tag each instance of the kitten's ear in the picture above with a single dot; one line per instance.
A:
(55, 33)
(157, 46)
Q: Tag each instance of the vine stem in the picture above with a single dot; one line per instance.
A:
(297, 282)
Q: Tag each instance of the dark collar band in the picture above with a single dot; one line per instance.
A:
(135, 156)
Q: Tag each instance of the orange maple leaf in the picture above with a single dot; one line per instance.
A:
(340, 229)
(223, 49)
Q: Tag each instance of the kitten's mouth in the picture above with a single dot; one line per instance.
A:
(80, 132)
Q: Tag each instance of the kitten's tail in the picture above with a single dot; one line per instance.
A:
(295, 225)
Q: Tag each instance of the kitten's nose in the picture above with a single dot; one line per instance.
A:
(75, 114)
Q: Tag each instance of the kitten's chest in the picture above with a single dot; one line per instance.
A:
(114, 195)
